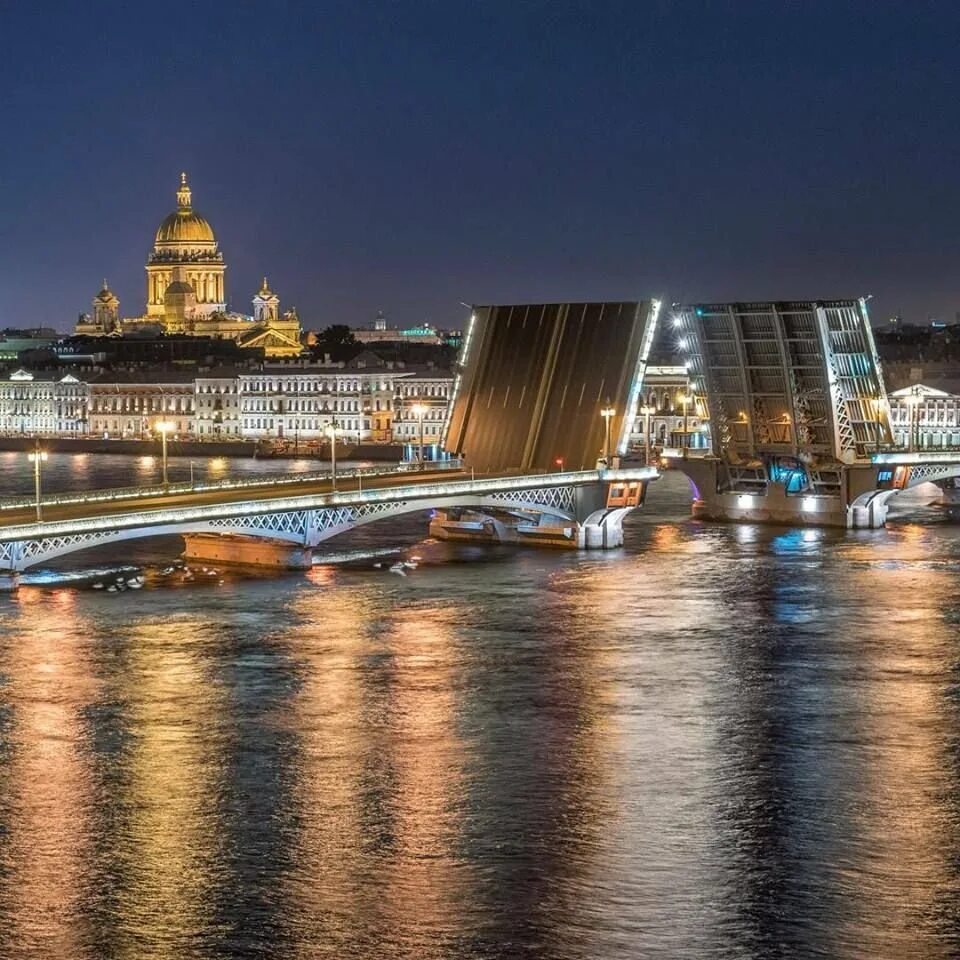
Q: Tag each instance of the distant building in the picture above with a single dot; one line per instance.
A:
(380, 332)
(665, 387)
(925, 417)
(43, 404)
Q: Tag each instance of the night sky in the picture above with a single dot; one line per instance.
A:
(406, 156)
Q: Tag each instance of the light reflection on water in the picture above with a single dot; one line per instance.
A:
(722, 741)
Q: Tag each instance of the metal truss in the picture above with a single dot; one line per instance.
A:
(924, 472)
(562, 499)
(282, 525)
(18, 554)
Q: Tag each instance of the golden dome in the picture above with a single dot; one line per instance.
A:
(185, 226)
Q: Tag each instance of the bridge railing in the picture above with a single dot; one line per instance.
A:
(110, 494)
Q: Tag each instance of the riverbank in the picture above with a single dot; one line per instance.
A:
(377, 452)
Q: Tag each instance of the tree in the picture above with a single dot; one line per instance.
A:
(337, 340)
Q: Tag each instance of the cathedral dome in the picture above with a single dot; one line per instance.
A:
(185, 225)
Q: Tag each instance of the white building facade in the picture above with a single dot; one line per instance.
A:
(32, 404)
(925, 418)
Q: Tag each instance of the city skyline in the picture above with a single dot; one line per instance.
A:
(408, 159)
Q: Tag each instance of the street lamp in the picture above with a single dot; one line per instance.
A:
(607, 413)
(163, 428)
(36, 458)
(684, 398)
(418, 410)
(646, 411)
(912, 401)
(331, 431)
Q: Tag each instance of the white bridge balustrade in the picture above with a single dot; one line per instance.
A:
(586, 507)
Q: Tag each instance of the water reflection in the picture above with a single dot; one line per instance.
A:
(720, 742)
(48, 791)
(166, 832)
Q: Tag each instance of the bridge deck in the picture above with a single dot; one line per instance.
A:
(428, 488)
(93, 508)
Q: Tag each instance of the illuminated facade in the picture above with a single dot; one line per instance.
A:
(32, 404)
(128, 410)
(432, 393)
(925, 418)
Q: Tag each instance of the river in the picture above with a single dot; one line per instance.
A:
(719, 742)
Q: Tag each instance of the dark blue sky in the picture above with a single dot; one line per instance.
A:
(407, 156)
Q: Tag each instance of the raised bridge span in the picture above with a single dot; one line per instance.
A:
(280, 525)
(798, 413)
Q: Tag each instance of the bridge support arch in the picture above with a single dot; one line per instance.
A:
(581, 509)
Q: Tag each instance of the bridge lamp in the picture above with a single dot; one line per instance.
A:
(913, 401)
(608, 413)
(418, 410)
(677, 321)
(37, 458)
(559, 463)
(646, 411)
(683, 343)
(163, 428)
(331, 431)
(684, 398)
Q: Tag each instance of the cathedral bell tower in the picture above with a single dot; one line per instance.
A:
(266, 305)
(106, 310)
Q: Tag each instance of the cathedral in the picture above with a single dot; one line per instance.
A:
(186, 292)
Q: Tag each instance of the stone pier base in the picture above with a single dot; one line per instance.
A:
(246, 552)
(467, 527)
(857, 506)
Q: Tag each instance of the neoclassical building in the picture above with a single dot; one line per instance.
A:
(186, 291)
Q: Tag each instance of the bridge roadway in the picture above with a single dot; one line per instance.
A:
(96, 506)
(279, 524)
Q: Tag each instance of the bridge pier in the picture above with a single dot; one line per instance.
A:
(857, 503)
(949, 492)
(600, 527)
(246, 552)
(469, 526)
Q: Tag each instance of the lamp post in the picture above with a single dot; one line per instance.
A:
(36, 458)
(418, 410)
(912, 401)
(331, 431)
(163, 428)
(646, 411)
(684, 398)
(607, 413)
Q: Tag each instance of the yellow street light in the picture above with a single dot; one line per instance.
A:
(608, 413)
(330, 430)
(646, 410)
(37, 457)
(684, 398)
(163, 427)
(419, 410)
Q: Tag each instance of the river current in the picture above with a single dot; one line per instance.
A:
(718, 742)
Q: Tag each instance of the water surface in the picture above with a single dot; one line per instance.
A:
(719, 742)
